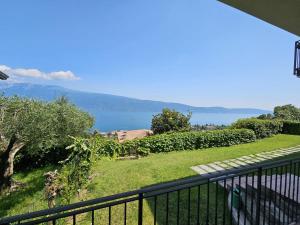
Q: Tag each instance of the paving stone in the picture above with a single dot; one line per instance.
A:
(237, 161)
(216, 167)
(198, 170)
(232, 163)
(207, 168)
(243, 161)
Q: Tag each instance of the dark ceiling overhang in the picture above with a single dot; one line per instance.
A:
(3, 76)
(284, 14)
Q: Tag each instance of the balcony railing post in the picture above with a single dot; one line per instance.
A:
(259, 175)
(140, 216)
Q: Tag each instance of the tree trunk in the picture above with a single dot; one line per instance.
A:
(7, 164)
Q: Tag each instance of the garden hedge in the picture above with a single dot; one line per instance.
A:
(261, 128)
(291, 127)
(188, 141)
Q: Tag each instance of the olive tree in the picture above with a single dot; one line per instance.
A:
(36, 125)
(170, 120)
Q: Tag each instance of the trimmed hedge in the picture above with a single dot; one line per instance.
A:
(261, 128)
(188, 141)
(291, 127)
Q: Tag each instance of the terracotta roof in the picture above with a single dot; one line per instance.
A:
(132, 134)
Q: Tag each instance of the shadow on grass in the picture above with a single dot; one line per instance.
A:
(201, 204)
(189, 206)
(16, 202)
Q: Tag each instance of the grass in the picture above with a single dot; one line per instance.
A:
(111, 177)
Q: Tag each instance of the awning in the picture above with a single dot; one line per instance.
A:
(284, 14)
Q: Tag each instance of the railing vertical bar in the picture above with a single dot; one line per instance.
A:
(224, 202)
(265, 196)
(246, 198)
(275, 192)
(231, 201)
(294, 184)
(125, 213)
(216, 203)
(207, 204)
(74, 219)
(93, 217)
(178, 206)
(53, 222)
(270, 188)
(280, 190)
(155, 209)
(259, 176)
(284, 195)
(239, 208)
(252, 196)
(298, 187)
(189, 206)
(140, 209)
(289, 192)
(167, 209)
(109, 215)
(198, 206)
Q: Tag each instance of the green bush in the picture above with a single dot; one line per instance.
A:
(105, 147)
(291, 127)
(190, 140)
(261, 128)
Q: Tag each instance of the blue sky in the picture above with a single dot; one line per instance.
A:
(198, 52)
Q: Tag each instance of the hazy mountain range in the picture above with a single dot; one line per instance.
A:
(95, 102)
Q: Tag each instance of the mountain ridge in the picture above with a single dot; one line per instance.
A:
(94, 102)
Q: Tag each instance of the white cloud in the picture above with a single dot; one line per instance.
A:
(35, 73)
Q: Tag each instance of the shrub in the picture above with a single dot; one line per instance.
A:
(190, 140)
(104, 147)
(170, 120)
(291, 127)
(261, 128)
(287, 112)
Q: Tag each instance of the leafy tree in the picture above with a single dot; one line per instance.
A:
(268, 116)
(37, 126)
(170, 120)
(287, 112)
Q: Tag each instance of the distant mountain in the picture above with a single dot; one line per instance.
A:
(97, 102)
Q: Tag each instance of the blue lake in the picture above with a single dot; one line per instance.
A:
(109, 121)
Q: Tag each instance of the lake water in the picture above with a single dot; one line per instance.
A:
(109, 121)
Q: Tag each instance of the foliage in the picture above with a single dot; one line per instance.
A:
(268, 116)
(291, 127)
(261, 128)
(170, 120)
(105, 147)
(287, 112)
(76, 169)
(206, 127)
(36, 128)
(190, 140)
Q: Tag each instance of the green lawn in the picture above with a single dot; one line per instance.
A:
(110, 177)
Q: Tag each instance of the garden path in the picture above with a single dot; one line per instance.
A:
(220, 166)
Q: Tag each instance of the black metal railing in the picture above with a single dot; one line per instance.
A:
(297, 59)
(260, 194)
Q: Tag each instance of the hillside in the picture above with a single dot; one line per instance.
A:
(97, 102)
